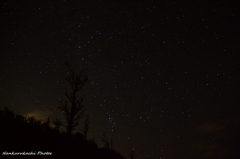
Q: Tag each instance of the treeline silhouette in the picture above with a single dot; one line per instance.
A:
(26, 134)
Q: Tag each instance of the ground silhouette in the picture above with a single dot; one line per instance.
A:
(26, 134)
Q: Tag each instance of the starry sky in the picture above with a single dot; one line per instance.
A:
(164, 75)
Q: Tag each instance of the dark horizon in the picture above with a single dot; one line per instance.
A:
(27, 136)
(164, 76)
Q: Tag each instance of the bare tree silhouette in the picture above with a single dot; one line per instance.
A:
(72, 107)
(131, 154)
(86, 126)
(106, 140)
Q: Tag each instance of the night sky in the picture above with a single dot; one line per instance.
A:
(164, 76)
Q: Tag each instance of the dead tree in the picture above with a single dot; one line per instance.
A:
(131, 154)
(57, 124)
(72, 107)
(106, 140)
(86, 126)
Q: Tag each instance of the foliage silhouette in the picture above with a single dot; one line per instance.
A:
(19, 134)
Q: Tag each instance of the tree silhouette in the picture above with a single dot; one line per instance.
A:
(86, 126)
(72, 107)
(57, 124)
(106, 140)
(21, 133)
(131, 154)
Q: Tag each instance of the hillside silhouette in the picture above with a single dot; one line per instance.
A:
(26, 134)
